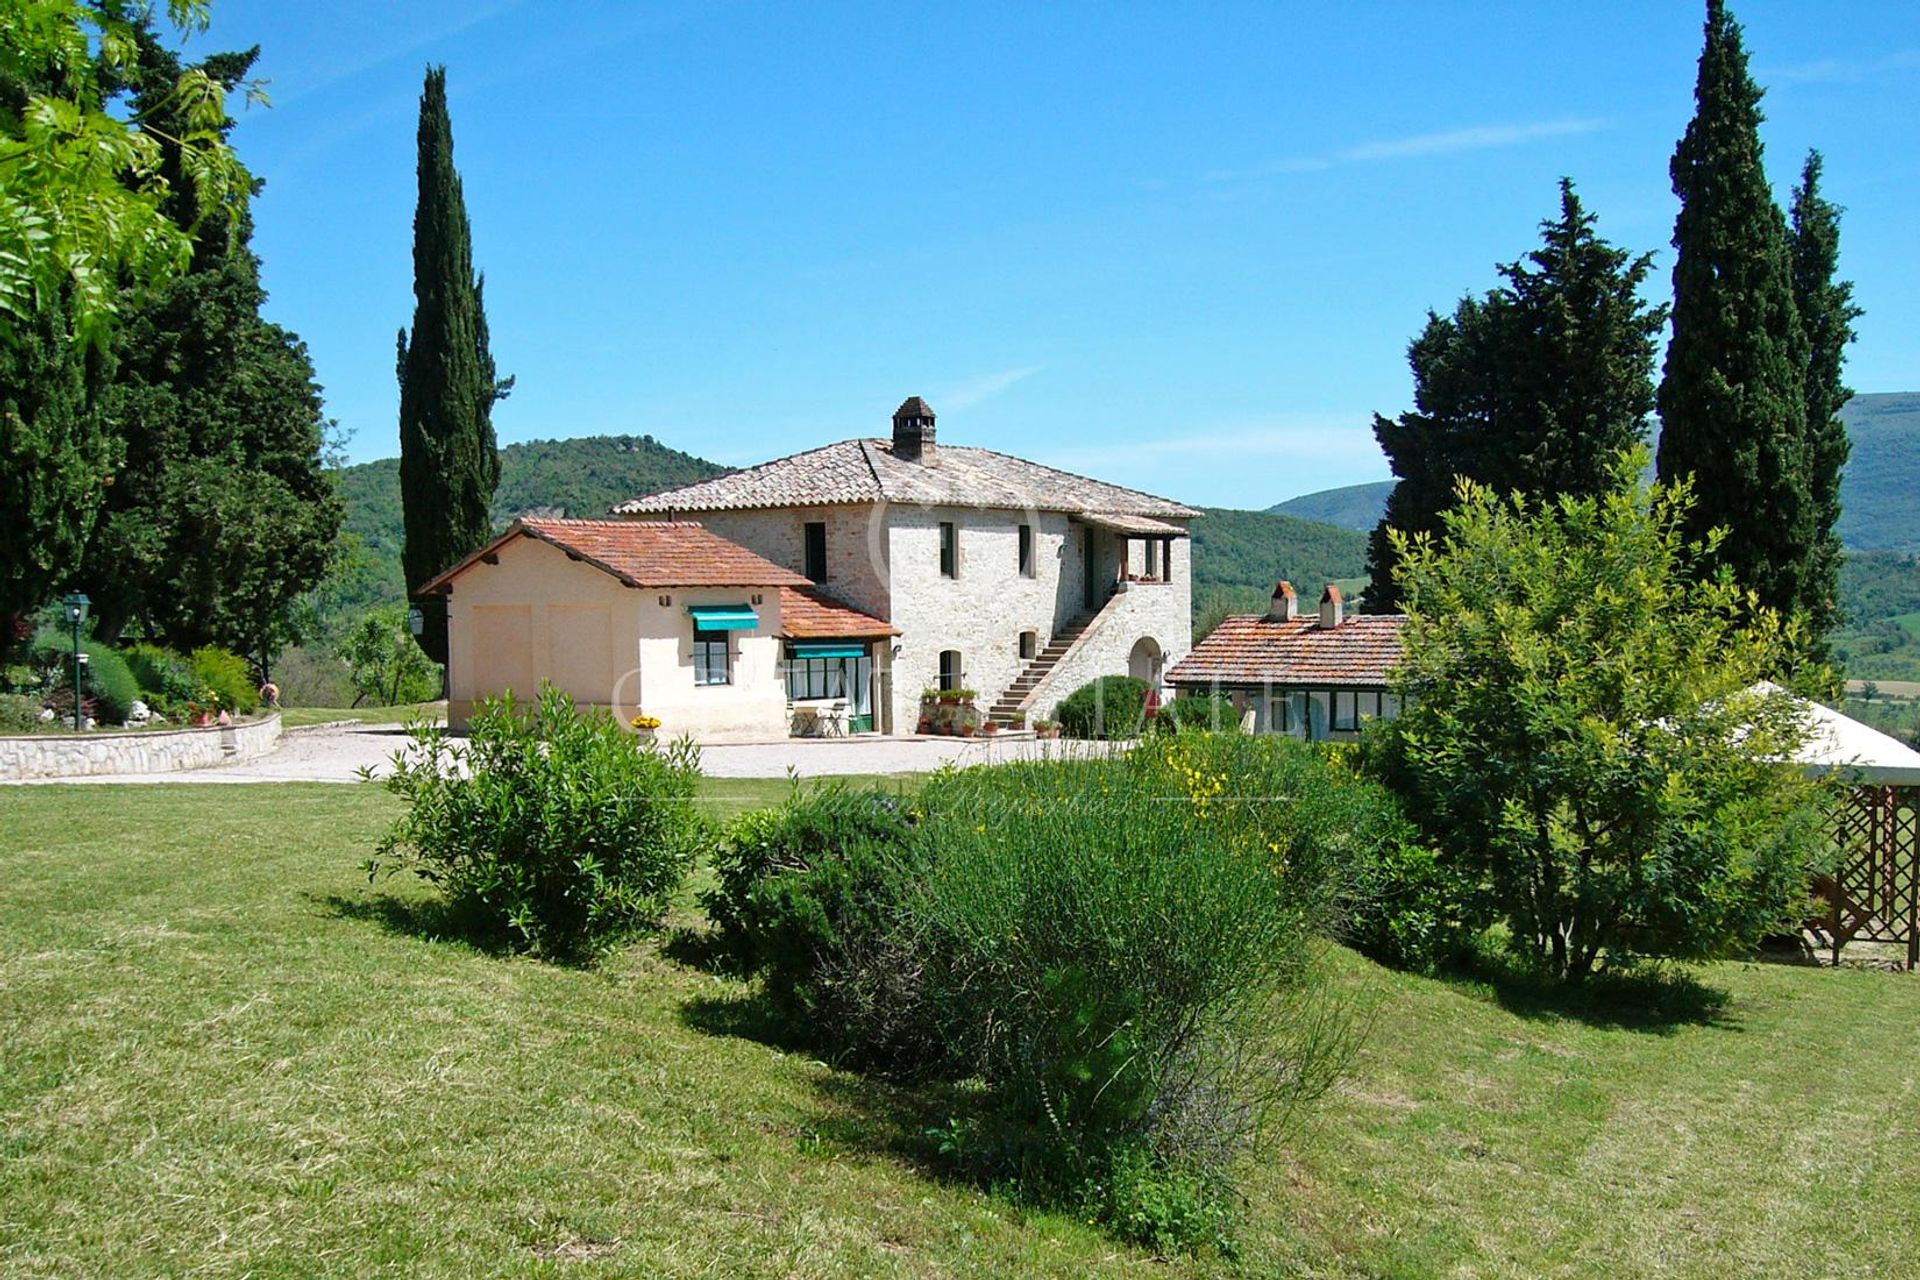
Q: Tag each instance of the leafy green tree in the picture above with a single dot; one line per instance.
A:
(1587, 739)
(221, 516)
(1733, 408)
(83, 187)
(1531, 389)
(1827, 313)
(386, 666)
(449, 465)
(55, 449)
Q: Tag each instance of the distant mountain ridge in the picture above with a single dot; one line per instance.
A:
(1880, 495)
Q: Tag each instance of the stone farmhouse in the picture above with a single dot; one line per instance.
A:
(1318, 676)
(1013, 579)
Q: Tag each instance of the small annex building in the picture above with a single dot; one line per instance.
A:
(1317, 676)
(657, 618)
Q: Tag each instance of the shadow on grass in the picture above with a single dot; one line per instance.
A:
(1658, 999)
(695, 948)
(428, 919)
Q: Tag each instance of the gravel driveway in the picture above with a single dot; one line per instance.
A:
(337, 753)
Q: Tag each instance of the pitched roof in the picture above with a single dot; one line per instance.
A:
(808, 614)
(641, 553)
(1251, 650)
(860, 471)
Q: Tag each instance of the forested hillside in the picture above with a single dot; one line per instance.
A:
(1354, 506)
(580, 477)
(1239, 555)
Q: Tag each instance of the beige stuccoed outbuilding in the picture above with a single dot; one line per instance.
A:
(662, 619)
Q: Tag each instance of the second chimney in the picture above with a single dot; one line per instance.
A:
(913, 438)
(1285, 605)
(1333, 607)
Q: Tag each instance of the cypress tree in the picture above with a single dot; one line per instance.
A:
(449, 463)
(1732, 403)
(1534, 388)
(1827, 314)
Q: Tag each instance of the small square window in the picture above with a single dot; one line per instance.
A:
(1029, 645)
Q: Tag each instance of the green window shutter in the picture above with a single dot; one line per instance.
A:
(724, 617)
(829, 651)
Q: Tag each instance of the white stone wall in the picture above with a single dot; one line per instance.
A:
(1158, 611)
(50, 755)
(856, 546)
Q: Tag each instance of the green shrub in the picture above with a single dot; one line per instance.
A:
(807, 894)
(1122, 950)
(548, 829)
(1210, 711)
(19, 713)
(1109, 707)
(1405, 907)
(166, 679)
(228, 675)
(106, 681)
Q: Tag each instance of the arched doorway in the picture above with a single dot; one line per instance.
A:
(1145, 661)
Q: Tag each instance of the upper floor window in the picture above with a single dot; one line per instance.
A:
(1026, 551)
(712, 658)
(816, 550)
(949, 549)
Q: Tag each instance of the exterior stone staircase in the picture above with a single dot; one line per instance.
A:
(1012, 704)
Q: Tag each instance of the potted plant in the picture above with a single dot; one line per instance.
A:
(990, 728)
(203, 708)
(1046, 728)
(644, 726)
(966, 728)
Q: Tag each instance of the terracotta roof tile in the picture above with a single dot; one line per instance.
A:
(860, 471)
(1250, 650)
(809, 614)
(643, 553)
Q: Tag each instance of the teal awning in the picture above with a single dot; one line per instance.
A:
(829, 651)
(724, 617)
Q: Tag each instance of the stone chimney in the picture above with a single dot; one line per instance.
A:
(913, 439)
(1285, 605)
(1333, 607)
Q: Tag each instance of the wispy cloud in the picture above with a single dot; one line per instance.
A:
(1417, 146)
(1843, 70)
(982, 387)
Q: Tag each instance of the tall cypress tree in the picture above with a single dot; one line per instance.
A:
(1733, 403)
(449, 463)
(1827, 313)
(1534, 388)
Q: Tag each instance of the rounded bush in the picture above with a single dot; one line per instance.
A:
(1213, 712)
(228, 675)
(107, 679)
(1109, 707)
(165, 677)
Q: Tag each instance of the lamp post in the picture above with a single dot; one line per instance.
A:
(76, 614)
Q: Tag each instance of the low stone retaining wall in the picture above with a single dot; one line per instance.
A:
(79, 755)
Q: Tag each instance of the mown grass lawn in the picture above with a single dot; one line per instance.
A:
(223, 1053)
(294, 717)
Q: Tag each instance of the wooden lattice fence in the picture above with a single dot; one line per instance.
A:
(1874, 895)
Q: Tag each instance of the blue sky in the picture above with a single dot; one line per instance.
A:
(1179, 247)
